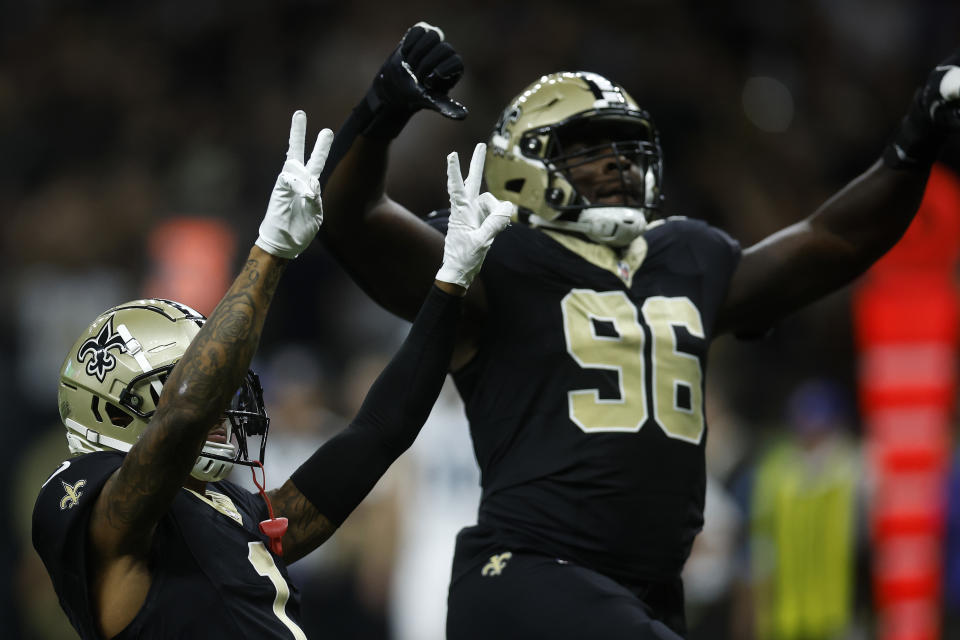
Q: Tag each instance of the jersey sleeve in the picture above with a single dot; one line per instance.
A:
(717, 256)
(719, 252)
(727, 252)
(59, 529)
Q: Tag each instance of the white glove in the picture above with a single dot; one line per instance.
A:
(295, 210)
(475, 219)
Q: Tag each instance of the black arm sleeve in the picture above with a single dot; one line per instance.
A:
(344, 470)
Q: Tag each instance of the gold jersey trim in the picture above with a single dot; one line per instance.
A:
(220, 503)
(600, 255)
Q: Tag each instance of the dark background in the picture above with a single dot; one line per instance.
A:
(117, 117)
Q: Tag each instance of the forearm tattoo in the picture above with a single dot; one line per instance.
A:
(193, 400)
(307, 527)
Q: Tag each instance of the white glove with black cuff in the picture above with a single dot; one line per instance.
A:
(295, 211)
(475, 220)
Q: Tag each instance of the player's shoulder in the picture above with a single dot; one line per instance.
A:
(693, 231)
(705, 242)
(688, 245)
(66, 498)
(59, 528)
(75, 477)
(244, 499)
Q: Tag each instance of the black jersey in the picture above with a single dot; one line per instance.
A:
(214, 575)
(585, 399)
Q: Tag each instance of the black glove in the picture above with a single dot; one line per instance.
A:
(417, 75)
(934, 113)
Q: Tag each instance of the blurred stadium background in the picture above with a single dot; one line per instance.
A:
(138, 145)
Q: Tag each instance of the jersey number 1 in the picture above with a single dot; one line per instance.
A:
(263, 564)
(603, 331)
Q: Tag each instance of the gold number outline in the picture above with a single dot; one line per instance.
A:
(660, 315)
(678, 312)
(263, 564)
(586, 298)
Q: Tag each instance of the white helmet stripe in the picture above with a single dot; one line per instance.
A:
(95, 437)
(134, 349)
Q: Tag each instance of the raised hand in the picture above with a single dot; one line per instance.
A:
(934, 114)
(417, 75)
(940, 95)
(295, 211)
(475, 220)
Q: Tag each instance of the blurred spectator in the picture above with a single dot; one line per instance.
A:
(804, 520)
(716, 565)
(441, 493)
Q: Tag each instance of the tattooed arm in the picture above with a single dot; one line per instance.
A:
(192, 403)
(195, 395)
(307, 528)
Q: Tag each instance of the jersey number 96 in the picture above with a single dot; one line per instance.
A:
(603, 331)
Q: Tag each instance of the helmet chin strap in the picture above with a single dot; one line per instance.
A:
(612, 226)
(211, 469)
(86, 440)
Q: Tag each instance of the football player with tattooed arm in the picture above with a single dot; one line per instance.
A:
(140, 533)
(582, 354)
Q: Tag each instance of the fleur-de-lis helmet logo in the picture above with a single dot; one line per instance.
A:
(98, 348)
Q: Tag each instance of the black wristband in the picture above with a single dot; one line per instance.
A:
(372, 118)
(344, 470)
(386, 120)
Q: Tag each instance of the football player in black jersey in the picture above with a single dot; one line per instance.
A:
(582, 354)
(140, 533)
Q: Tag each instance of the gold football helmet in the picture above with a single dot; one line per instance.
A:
(531, 153)
(112, 378)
